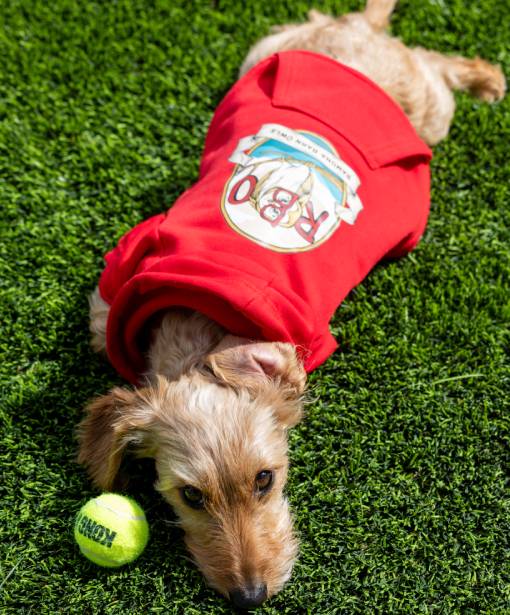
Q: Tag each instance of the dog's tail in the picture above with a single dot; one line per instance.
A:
(378, 13)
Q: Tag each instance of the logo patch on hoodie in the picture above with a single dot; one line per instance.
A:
(289, 190)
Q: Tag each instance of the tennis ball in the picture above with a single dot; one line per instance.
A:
(111, 530)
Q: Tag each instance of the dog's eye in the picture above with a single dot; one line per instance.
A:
(192, 496)
(263, 481)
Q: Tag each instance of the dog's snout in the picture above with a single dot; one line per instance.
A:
(249, 596)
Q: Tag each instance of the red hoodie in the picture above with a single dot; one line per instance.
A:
(310, 175)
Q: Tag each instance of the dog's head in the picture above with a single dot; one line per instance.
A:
(218, 436)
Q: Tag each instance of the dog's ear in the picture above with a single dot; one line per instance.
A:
(241, 363)
(112, 423)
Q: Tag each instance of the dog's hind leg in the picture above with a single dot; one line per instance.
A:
(438, 76)
(478, 77)
(378, 13)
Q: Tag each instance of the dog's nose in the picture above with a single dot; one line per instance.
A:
(249, 596)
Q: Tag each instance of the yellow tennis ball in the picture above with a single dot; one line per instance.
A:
(111, 530)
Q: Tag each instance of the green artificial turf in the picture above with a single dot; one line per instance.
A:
(399, 477)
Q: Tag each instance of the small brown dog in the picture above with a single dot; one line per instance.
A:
(216, 408)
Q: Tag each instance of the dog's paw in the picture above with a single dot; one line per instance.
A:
(491, 84)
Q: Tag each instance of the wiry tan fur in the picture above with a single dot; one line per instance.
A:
(217, 439)
(420, 81)
(216, 408)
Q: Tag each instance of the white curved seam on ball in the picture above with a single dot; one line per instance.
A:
(120, 513)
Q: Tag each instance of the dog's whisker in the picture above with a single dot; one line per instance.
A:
(176, 524)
